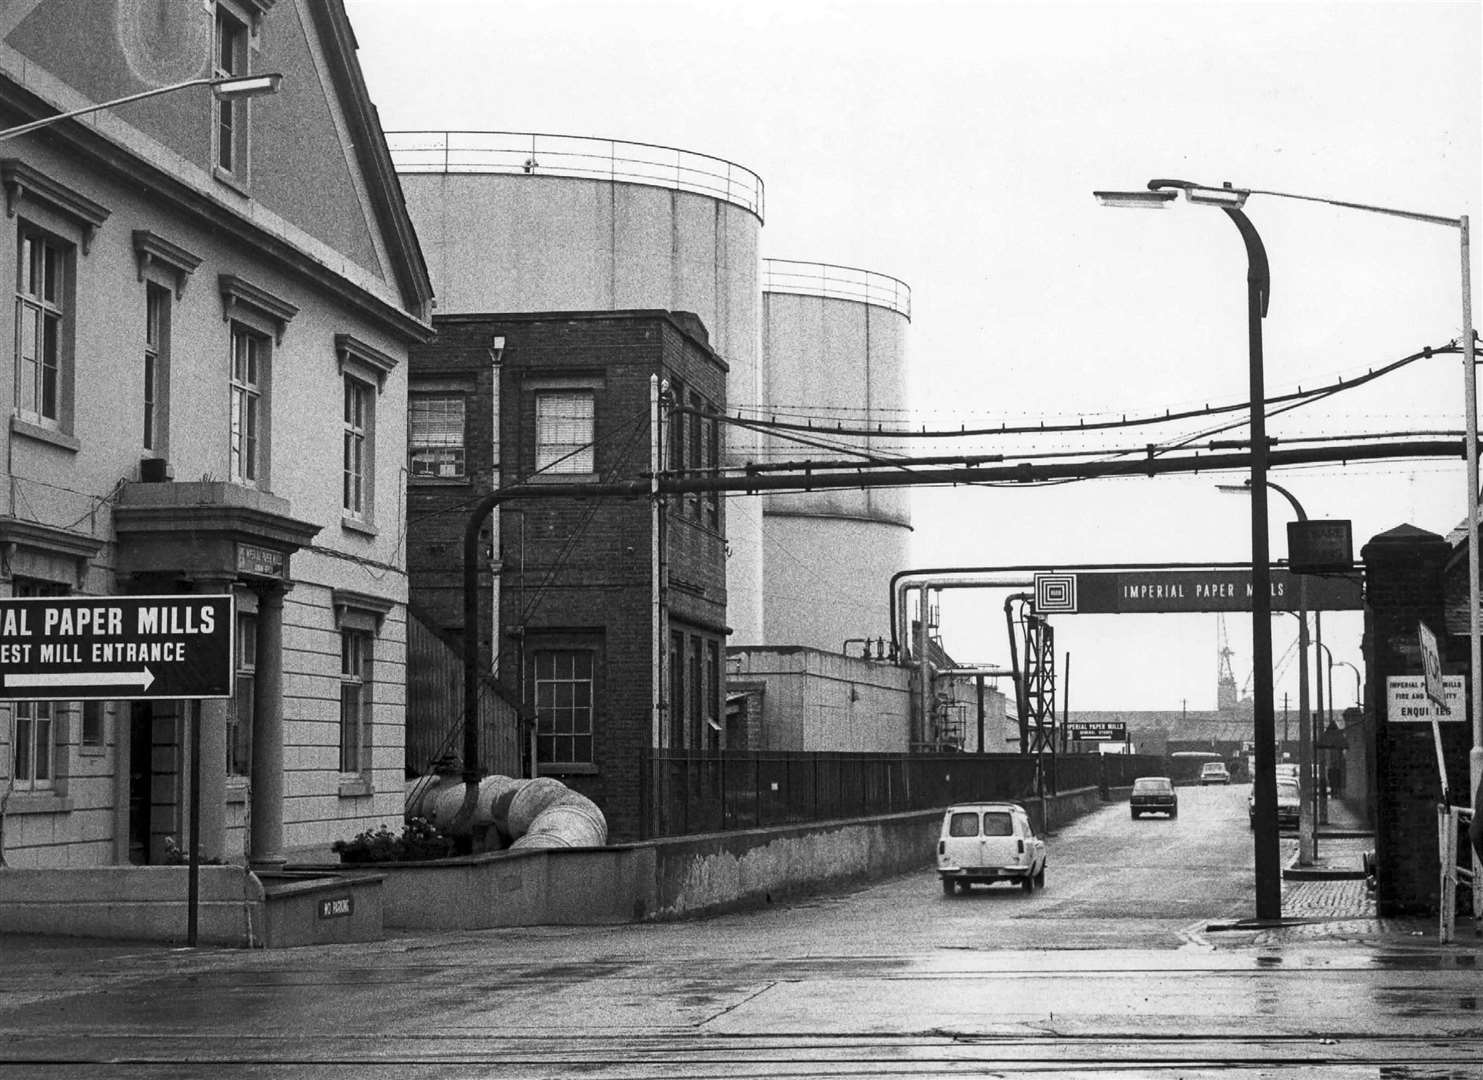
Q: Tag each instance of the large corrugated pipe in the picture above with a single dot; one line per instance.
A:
(539, 813)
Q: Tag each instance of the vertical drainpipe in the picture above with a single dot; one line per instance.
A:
(656, 640)
(496, 565)
(923, 668)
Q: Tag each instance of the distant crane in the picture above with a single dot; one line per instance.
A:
(1225, 678)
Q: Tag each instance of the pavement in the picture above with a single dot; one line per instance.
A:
(1331, 896)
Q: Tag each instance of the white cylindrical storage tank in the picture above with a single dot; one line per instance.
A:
(834, 354)
(512, 222)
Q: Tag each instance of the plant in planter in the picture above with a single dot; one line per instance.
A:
(419, 839)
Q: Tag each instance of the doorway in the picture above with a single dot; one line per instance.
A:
(154, 779)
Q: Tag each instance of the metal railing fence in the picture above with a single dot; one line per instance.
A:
(836, 282)
(718, 791)
(577, 156)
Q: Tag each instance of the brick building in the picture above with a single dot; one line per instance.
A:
(1406, 584)
(566, 603)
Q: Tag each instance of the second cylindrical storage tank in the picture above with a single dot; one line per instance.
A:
(834, 354)
(516, 222)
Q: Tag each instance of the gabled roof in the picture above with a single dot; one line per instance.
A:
(1406, 532)
(338, 41)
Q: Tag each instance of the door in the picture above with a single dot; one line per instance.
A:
(1000, 842)
(963, 844)
(141, 780)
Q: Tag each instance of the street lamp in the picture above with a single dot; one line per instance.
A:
(1258, 287)
(1359, 702)
(1470, 399)
(1321, 724)
(1307, 833)
(228, 88)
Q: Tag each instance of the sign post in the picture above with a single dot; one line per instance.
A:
(1432, 683)
(70, 648)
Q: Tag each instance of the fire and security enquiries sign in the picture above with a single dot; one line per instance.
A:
(1406, 701)
(116, 647)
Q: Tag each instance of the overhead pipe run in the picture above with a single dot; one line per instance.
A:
(1023, 472)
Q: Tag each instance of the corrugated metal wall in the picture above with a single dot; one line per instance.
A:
(435, 709)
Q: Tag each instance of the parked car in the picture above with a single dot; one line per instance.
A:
(1287, 804)
(1214, 772)
(1153, 795)
(1286, 771)
(988, 842)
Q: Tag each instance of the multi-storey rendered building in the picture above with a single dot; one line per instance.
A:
(212, 301)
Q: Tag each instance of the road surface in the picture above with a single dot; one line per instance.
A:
(1110, 972)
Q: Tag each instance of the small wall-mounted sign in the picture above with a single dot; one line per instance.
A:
(1406, 701)
(337, 907)
(1086, 732)
(1320, 547)
(260, 561)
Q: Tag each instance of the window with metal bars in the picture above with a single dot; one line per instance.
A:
(565, 430)
(436, 436)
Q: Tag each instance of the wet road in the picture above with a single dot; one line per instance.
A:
(1109, 972)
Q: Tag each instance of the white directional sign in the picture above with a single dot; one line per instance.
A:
(1090, 732)
(1431, 665)
(72, 647)
(1407, 702)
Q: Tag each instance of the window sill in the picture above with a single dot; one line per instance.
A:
(91, 751)
(437, 481)
(356, 525)
(39, 802)
(562, 478)
(357, 787)
(566, 768)
(55, 438)
(231, 180)
(236, 791)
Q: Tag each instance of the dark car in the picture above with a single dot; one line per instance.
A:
(1287, 804)
(1154, 795)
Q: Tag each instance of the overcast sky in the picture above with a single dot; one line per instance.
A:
(956, 145)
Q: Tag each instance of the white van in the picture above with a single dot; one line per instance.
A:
(989, 842)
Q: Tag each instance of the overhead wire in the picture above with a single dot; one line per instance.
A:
(1285, 403)
(1168, 416)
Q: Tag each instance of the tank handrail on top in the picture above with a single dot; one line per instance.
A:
(836, 282)
(577, 156)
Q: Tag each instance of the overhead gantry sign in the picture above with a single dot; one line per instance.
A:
(1165, 591)
(116, 647)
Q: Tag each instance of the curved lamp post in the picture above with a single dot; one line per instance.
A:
(1307, 834)
(1470, 416)
(1320, 725)
(227, 88)
(1359, 698)
(1258, 292)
